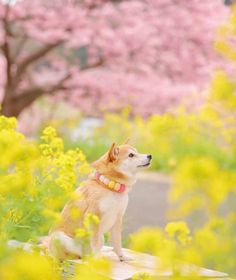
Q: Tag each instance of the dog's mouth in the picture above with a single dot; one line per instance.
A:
(145, 165)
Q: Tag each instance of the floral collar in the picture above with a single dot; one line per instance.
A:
(109, 184)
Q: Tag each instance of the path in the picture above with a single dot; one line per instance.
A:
(148, 203)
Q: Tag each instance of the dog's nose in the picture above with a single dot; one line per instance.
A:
(149, 157)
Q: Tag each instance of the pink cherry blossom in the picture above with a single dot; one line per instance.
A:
(103, 55)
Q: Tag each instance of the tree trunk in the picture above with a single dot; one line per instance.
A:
(7, 106)
(10, 108)
(12, 105)
(7, 109)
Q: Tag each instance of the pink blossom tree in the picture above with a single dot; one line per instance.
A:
(104, 54)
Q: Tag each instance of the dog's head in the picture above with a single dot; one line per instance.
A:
(122, 161)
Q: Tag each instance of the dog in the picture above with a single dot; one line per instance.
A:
(104, 194)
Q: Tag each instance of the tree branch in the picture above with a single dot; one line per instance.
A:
(27, 97)
(19, 47)
(6, 48)
(34, 57)
(99, 63)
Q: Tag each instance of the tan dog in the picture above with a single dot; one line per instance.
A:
(104, 194)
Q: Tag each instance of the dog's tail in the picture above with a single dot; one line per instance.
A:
(60, 245)
(57, 244)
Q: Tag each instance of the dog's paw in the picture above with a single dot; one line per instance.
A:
(123, 258)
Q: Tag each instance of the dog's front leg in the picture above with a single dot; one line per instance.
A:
(116, 241)
(97, 241)
(115, 238)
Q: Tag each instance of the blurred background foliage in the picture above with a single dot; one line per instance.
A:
(208, 131)
(192, 141)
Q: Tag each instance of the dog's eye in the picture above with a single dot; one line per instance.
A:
(131, 155)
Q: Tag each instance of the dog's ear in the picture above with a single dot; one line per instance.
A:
(126, 141)
(113, 152)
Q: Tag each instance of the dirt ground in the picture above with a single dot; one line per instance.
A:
(147, 203)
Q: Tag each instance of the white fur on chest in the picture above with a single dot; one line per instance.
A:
(111, 207)
(113, 202)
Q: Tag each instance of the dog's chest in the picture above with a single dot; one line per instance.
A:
(111, 207)
(114, 202)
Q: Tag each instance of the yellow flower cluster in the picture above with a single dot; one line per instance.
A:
(179, 230)
(36, 180)
(65, 167)
(224, 43)
(28, 266)
(169, 245)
